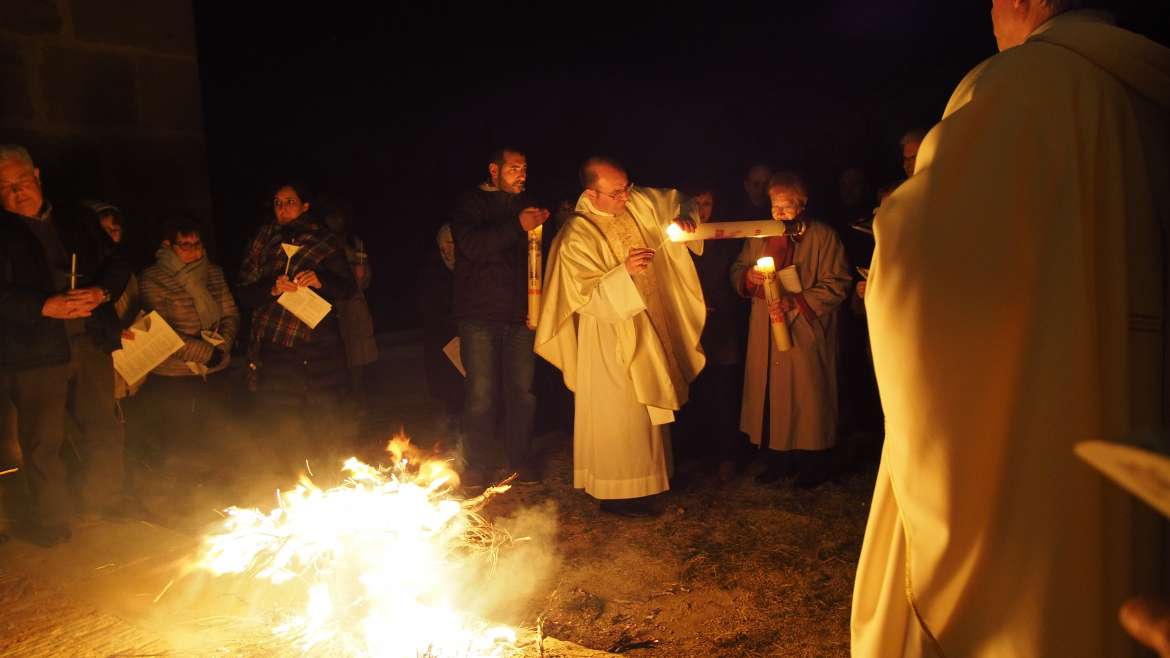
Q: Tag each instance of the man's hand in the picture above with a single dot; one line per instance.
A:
(91, 298)
(639, 259)
(861, 289)
(307, 278)
(687, 224)
(66, 306)
(530, 218)
(1148, 621)
(283, 285)
(754, 276)
(780, 306)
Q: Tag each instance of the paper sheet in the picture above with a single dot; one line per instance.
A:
(451, 349)
(154, 342)
(308, 306)
(790, 280)
(1143, 473)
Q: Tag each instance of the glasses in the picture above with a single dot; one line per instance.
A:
(188, 245)
(624, 192)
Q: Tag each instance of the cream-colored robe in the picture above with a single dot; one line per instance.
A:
(1016, 306)
(802, 382)
(594, 326)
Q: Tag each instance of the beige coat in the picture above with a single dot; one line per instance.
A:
(1016, 306)
(801, 383)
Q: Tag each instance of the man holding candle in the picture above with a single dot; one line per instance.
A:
(491, 225)
(55, 344)
(790, 395)
(621, 318)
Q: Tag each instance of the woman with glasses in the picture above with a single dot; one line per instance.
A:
(190, 293)
(300, 373)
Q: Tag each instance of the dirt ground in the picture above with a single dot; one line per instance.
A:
(736, 569)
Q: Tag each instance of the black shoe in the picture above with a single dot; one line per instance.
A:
(472, 478)
(527, 474)
(634, 508)
(812, 480)
(125, 508)
(47, 536)
(773, 473)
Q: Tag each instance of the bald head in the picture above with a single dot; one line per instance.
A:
(606, 184)
(596, 166)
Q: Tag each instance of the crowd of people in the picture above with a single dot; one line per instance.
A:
(69, 299)
(996, 339)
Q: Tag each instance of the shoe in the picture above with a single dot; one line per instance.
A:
(527, 474)
(727, 470)
(773, 473)
(633, 508)
(125, 508)
(472, 478)
(812, 480)
(48, 536)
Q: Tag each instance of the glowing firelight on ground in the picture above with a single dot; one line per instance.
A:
(372, 559)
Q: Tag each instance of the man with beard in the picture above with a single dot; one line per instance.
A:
(490, 225)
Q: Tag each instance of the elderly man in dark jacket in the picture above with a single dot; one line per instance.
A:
(57, 329)
(490, 225)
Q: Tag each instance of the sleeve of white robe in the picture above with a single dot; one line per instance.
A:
(832, 273)
(615, 299)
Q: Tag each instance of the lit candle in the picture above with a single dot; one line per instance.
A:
(534, 273)
(780, 335)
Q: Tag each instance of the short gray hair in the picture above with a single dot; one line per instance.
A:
(1061, 6)
(15, 152)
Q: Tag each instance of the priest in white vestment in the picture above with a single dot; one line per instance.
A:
(621, 318)
(1016, 306)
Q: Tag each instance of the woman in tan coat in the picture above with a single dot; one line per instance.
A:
(798, 425)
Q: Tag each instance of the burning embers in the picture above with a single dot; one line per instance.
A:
(378, 563)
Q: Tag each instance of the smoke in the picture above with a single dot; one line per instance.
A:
(507, 591)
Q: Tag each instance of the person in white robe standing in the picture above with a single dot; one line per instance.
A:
(1017, 305)
(621, 318)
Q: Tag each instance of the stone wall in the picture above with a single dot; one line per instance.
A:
(105, 94)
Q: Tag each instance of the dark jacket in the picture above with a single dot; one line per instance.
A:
(491, 257)
(27, 338)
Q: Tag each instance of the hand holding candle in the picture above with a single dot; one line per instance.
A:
(534, 274)
(766, 266)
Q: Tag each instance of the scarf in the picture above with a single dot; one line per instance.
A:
(193, 278)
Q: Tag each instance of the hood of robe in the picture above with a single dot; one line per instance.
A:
(1138, 62)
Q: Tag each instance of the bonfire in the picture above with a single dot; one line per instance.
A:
(377, 562)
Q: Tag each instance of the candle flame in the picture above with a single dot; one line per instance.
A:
(766, 264)
(674, 232)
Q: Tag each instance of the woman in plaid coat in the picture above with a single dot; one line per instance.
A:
(302, 381)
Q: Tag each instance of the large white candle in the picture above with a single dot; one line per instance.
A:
(780, 335)
(763, 228)
(534, 273)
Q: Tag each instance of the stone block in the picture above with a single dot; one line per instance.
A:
(31, 16)
(15, 91)
(89, 88)
(170, 94)
(166, 26)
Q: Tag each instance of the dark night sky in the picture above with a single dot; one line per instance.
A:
(396, 107)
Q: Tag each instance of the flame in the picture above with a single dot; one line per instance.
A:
(374, 557)
(675, 232)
